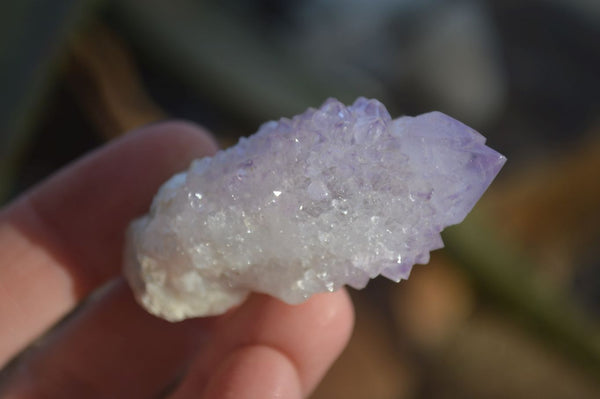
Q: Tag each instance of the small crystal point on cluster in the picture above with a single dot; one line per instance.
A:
(332, 197)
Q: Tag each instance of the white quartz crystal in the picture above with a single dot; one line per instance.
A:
(331, 197)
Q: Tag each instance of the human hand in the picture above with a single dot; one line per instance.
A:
(63, 240)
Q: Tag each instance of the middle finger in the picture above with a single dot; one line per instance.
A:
(113, 348)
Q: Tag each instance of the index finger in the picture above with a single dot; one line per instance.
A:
(64, 238)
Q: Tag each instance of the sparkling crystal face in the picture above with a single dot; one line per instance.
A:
(334, 196)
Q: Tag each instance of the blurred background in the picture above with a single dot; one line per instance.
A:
(511, 308)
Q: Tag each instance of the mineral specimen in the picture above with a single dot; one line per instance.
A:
(334, 196)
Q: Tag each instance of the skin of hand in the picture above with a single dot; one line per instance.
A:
(60, 254)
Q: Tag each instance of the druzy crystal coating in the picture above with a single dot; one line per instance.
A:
(332, 197)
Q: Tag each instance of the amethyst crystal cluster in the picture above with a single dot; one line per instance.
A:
(332, 197)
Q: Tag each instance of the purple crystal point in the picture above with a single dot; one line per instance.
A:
(334, 196)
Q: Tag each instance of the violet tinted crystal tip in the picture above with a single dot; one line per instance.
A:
(334, 196)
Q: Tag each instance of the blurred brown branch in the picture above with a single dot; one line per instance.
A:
(551, 209)
(105, 80)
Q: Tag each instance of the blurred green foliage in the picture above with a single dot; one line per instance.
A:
(33, 37)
